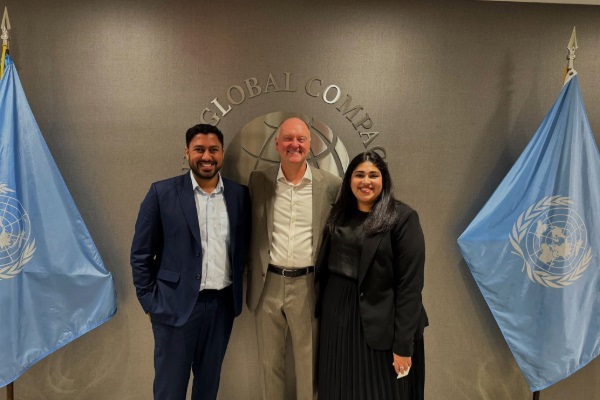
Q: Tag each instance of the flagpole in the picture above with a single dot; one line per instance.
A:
(5, 36)
(569, 73)
(10, 391)
(5, 27)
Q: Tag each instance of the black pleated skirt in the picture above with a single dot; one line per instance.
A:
(348, 369)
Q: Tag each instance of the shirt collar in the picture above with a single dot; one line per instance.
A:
(305, 179)
(218, 190)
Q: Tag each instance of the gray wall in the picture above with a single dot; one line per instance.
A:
(455, 88)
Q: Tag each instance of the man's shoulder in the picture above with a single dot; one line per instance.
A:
(265, 173)
(328, 177)
(232, 185)
(170, 183)
(229, 182)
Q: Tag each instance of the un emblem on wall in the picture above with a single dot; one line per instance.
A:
(16, 245)
(552, 240)
(254, 147)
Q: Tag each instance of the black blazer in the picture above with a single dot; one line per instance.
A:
(166, 253)
(390, 280)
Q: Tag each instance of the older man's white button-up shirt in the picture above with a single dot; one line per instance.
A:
(292, 244)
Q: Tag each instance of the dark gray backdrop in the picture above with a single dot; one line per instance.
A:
(455, 88)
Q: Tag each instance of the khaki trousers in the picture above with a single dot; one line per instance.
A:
(287, 302)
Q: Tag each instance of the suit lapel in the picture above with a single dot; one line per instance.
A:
(188, 204)
(319, 198)
(269, 187)
(231, 212)
(369, 247)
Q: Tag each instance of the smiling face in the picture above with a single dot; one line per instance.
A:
(205, 155)
(366, 184)
(293, 141)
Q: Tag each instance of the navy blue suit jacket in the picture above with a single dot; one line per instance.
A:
(166, 253)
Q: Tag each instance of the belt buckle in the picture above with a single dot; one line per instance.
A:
(283, 272)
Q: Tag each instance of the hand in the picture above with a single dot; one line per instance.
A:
(401, 364)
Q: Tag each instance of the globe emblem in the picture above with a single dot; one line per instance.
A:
(15, 231)
(556, 240)
(254, 147)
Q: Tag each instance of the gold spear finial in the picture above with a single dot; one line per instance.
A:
(5, 28)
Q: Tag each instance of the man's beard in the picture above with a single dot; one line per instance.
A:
(205, 175)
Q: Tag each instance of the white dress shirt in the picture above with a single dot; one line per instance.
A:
(292, 244)
(214, 235)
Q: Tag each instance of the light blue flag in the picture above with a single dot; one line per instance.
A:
(534, 248)
(53, 284)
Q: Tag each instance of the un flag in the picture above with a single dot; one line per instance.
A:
(53, 284)
(534, 247)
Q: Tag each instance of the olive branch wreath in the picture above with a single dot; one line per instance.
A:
(5, 189)
(518, 233)
(10, 271)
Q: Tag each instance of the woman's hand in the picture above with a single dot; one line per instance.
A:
(401, 364)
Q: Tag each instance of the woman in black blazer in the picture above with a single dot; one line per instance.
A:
(369, 282)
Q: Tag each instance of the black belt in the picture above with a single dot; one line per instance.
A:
(290, 273)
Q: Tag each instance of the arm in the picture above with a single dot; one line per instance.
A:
(146, 247)
(249, 210)
(321, 270)
(409, 260)
(247, 216)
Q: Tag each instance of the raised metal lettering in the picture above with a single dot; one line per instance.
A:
(241, 92)
(308, 85)
(224, 112)
(271, 82)
(253, 86)
(287, 82)
(370, 137)
(214, 119)
(366, 122)
(380, 150)
(337, 96)
(347, 108)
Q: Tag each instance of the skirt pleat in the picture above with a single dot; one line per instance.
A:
(348, 368)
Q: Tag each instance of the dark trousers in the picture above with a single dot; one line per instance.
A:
(199, 346)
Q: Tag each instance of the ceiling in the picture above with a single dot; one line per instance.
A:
(589, 2)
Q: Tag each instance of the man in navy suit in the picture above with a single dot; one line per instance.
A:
(187, 259)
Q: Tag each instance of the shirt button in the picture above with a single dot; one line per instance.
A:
(198, 277)
(197, 254)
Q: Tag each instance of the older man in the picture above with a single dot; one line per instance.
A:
(290, 203)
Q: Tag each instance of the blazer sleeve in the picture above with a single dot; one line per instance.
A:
(247, 221)
(145, 248)
(409, 260)
(322, 270)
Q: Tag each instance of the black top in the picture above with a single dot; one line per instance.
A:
(346, 246)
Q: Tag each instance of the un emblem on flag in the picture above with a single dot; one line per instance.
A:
(16, 245)
(552, 240)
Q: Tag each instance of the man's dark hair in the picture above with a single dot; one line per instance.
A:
(383, 215)
(202, 129)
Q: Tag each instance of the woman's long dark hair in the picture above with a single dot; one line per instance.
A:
(383, 214)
